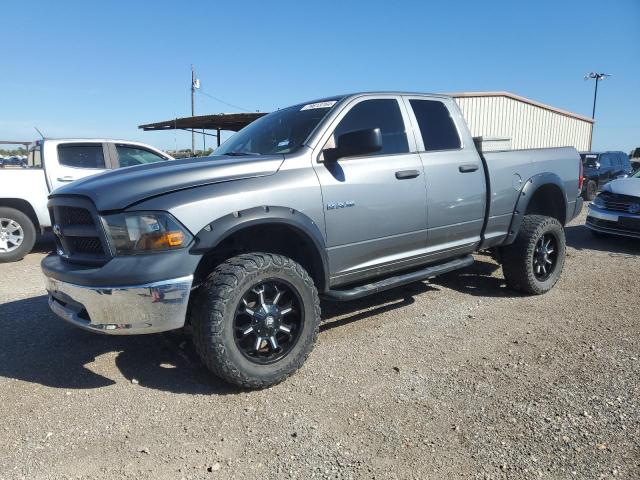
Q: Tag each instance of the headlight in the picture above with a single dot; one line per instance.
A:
(144, 232)
(598, 202)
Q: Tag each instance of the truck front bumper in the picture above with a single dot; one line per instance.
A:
(122, 310)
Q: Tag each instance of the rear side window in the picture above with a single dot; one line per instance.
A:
(129, 156)
(605, 161)
(383, 114)
(81, 156)
(436, 125)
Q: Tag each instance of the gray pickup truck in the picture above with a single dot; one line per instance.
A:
(338, 198)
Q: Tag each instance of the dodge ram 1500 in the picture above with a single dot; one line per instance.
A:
(338, 198)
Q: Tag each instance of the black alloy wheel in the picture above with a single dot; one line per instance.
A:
(268, 321)
(545, 257)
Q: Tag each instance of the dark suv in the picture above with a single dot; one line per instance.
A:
(601, 168)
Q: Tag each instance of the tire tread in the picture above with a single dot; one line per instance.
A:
(208, 325)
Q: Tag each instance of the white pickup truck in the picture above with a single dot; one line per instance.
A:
(50, 164)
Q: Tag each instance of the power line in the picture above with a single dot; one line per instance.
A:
(200, 91)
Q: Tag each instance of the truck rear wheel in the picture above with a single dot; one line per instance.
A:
(17, 234)
(255, 319)
(534, 262)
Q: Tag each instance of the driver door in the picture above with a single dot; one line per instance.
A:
(375, 204)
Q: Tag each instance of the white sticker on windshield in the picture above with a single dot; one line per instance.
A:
(311, 106)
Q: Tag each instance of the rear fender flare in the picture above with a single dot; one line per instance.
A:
(527, 192)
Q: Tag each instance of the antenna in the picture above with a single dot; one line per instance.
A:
(41, 134)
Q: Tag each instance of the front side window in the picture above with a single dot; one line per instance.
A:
(129, 156)
(383, 114)
(81, 156)
(436, 125)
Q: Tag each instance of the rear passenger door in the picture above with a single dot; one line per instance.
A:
(375, 208)
(454, 175)
(75, 161)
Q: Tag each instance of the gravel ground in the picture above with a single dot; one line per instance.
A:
(457, 378)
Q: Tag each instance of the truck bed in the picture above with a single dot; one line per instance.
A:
(508, 170)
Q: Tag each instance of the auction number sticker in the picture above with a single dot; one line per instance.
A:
(311, 106)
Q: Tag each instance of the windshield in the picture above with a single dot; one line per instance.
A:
(590, 160)
(636, 175)
(282, 131)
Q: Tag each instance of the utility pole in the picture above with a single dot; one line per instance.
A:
(193, 107)
(597, 77)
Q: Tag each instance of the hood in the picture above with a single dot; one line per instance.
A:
(117, 189)
(624, 186)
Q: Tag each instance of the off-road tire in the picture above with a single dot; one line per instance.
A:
(214, 309)
(517, 258)
(29, 230)
(590, 190)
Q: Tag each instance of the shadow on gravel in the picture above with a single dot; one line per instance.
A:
(580, 238)
(477, 280)
(368, 306)
(38, 347)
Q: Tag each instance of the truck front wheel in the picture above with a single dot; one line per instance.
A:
(533, 263)
(255, 319)
(17, 234)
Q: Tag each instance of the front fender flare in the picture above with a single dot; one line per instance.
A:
(218, 230)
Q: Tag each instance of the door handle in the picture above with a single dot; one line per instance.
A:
(66, 179)
(406, 174)
(468, 167)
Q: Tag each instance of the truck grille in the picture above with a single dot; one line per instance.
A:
(76, 216)
(618, 202)
(79, 235)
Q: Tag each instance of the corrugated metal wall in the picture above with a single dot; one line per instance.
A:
(528, 126)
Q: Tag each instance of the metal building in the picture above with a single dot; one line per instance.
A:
(522, 123)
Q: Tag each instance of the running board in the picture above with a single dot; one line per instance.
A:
(398, 280)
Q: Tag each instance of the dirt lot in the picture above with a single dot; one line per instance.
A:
(458, 378)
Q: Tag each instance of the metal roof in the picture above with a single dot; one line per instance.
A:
(518, 98)
(221, 121)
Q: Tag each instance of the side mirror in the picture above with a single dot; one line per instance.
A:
(358, 142)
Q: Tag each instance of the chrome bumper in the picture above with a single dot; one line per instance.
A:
(125, 310)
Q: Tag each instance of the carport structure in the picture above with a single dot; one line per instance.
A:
(198, 124)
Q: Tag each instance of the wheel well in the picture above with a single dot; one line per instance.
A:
(549, 201)
(22, 205)
(271, 238)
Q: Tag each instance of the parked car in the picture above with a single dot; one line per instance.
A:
(616, 210)
(13, 161)
(600, 168)
(51, 164)
(343, 197)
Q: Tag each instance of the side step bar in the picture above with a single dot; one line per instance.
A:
(399, 280)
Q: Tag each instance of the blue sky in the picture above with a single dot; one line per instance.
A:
(100, 69)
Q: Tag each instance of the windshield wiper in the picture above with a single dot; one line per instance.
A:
(241, 154)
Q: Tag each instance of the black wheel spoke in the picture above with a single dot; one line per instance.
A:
(261, 333)
(545, 256)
